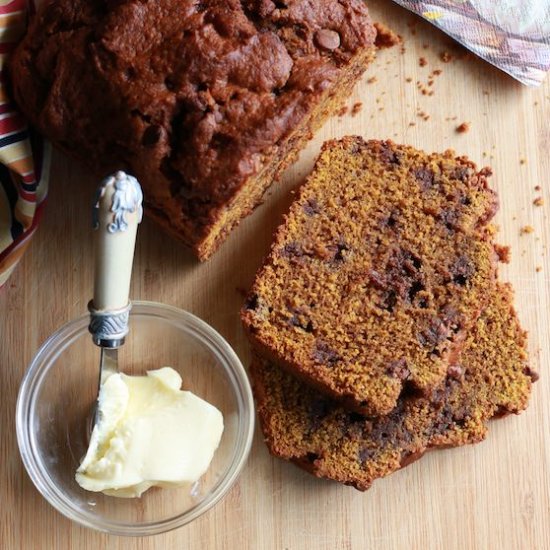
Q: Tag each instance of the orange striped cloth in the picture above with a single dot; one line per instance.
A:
(24, 157)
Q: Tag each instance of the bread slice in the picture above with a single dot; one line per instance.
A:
(205, 102)
(492, 379)
(378, 271)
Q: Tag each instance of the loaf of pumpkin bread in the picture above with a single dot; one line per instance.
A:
(205, 101)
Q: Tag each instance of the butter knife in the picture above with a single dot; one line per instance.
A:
(117, 212)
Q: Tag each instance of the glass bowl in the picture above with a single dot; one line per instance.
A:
(58, 394)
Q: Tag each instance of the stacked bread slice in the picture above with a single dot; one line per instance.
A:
(378, 325)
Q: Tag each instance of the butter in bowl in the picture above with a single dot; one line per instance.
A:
(172, 428)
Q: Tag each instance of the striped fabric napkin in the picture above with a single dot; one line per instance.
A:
(24, 157)
(513, 35)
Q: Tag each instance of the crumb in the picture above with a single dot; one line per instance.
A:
(426, 46)
(539, 201)
(484, 154)
(412, 123)
(357, 107)
(446, 57)
(408, 79)
(485, 92)
(538, 269)
(422, 114)
(503, 253)
(422, 61)
(523, 161)
(463, 128)
(424, 90)
(526, 229)
(385, 37)
(372, 80)
(437, 72)
(537, 187)
(343, 110)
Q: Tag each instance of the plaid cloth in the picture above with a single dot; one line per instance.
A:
(24, 157)
(513, 35)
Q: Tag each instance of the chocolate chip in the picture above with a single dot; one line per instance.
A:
(295, 322)
(398, 369)
(324, 354)
(452, 318)
(311, 207)
(266, 7)
(416, 287)
(388, 155)
(290, 250)
(320, 408)
(251, 302)
(356, 417)
(327, 39)
(455, 372)
(378, 280)
(450, 218)
(434, 334)
(357, 146)
(462, 270)
(312, 457)
(170, 84)
(425, 177)
(130, 73)
(221, 141)
(340, 249)
(531, 373)
(462, 173)
(403, 263)
(365, 454)
(389, 301)
(196, 207)
(152, 135)
(439, 395)
(392, 220)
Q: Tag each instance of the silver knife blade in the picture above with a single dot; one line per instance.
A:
(108, 365)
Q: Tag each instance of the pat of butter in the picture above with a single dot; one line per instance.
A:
(149, 433)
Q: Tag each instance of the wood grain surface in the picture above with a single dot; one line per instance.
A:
(495, 495)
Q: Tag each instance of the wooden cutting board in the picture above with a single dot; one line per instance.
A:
(495, 495)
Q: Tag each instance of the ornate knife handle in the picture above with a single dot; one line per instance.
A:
(116, 214)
